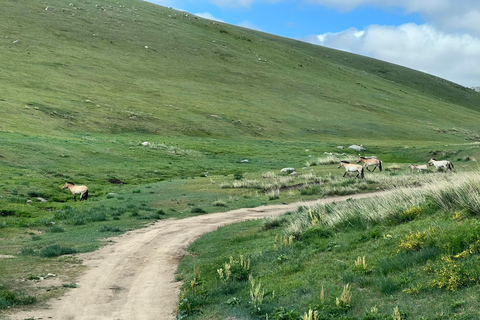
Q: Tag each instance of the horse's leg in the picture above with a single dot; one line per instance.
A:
(374, 168)
(345, 173)
(75, 197)
(368, 169)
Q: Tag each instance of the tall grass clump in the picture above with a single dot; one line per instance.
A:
(330, 159)
(400, 204)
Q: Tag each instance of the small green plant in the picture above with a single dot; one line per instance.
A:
(106, 228)
(9, 298)
(198, 210)
(361, 264)
(273, 194)
(219, 203)
(310, 315)
(256, 293)
(345, 299)
(55, 229)
(283, 241)
(411, 213)
(236, 270)
(55, 251)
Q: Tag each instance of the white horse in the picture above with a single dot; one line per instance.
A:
(445, 164)
(74, 189)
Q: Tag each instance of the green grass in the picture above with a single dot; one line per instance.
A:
(424, 265)
(81, 92)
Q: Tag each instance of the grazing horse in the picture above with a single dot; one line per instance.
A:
(371, 162)
(81, 190)
(418, 167)
(352, 168)
(445, 164)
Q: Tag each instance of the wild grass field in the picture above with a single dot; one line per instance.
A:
(412, 254)
(223, 109)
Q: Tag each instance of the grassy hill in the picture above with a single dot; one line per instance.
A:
(132, 67)
(83, 84)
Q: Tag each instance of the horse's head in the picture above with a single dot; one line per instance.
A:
(430, 163)
(343, 163)
(67, 185)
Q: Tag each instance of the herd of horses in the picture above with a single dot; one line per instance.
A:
(350, 168)
(359, 169)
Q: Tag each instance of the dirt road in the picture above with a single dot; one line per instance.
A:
(134, 277)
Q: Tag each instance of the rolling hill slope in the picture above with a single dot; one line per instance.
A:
(127, 66)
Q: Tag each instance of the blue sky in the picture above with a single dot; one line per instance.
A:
(440, 37)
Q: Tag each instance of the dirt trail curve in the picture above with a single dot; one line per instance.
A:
(134, 277)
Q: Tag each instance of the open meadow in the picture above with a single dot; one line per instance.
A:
(164, 115)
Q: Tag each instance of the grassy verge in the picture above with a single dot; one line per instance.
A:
(410, 255)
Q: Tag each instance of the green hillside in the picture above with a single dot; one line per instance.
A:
(130, 66)
(83, 84)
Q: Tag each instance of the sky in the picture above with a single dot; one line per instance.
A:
(439, 37)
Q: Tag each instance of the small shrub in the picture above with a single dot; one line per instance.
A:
(310, 190)
(219, 203)
(70, 285)
(198, 210)
(238, 176)
(282, 314)
(9, 298)
(106, 228)
(55, 251)
(411, 213)
(274, 222)
(273, 194)
(27, 251)
(316, 232)
(55, 229)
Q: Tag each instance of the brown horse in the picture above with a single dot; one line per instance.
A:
(371, 162)
(74, 189)
(349, 167)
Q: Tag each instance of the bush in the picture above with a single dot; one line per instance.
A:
(316, 232)
(198, 210)
(106, 228)
(9, 298)
(310, 190)
(55, 251)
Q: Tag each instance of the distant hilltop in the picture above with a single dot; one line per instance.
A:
(476, 89)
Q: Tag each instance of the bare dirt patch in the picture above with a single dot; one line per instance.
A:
(133, 278)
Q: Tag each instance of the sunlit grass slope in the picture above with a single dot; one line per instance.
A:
(127, 66)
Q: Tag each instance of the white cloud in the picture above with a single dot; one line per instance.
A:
(421, 47)
(208, 15)
(249, 25)
(446, 15)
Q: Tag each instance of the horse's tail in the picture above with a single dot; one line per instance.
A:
(451, 165)
(362, 173)
(380, 165)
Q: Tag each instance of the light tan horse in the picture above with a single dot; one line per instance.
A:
(74, 189)
(418, 167)
(445, 164)
(349, 167)
(371, 162)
